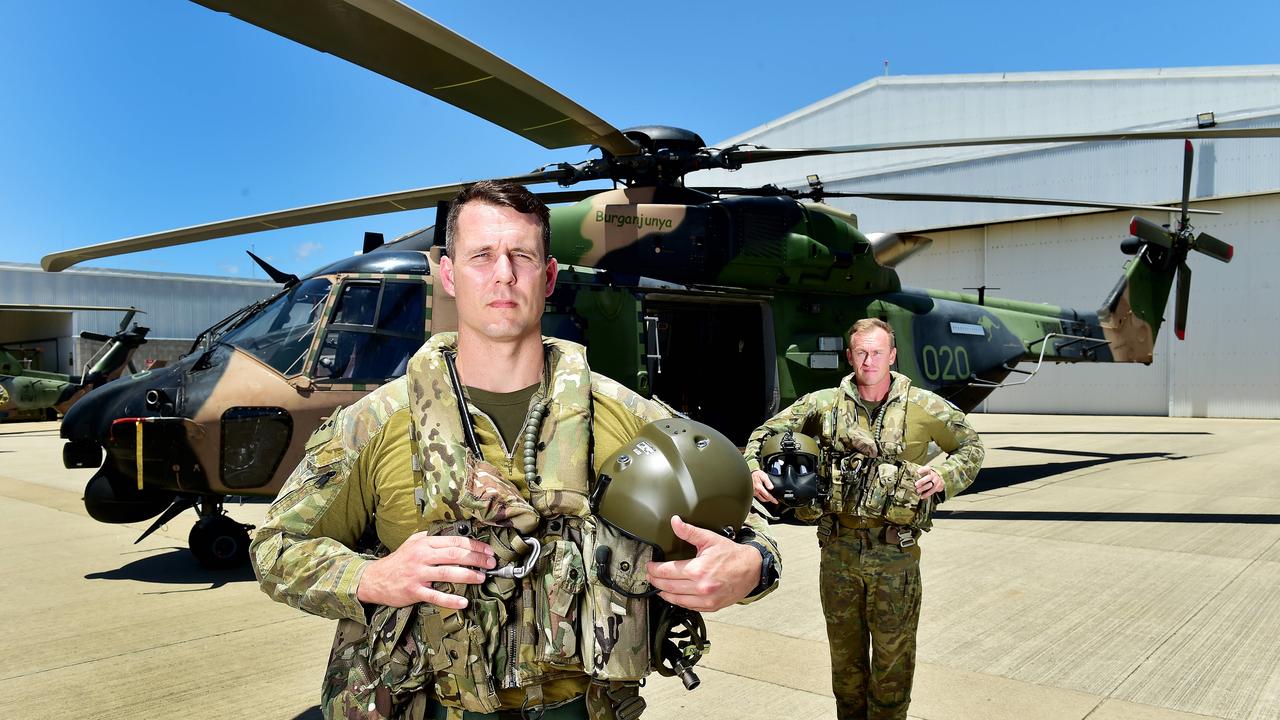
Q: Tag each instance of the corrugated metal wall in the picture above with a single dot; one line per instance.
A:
(176, 306)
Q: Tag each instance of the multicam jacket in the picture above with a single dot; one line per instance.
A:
(928, 417)
(358, 477)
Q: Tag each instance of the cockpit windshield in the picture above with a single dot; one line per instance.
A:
(280, 333)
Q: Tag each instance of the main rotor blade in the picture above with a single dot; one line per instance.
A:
(747, 155)
(1187, 156)
(339, 210)
(1006, 200)
(53, 308)
(1181, 301)
(396, 41)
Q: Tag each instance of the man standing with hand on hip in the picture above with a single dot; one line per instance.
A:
(870, 571)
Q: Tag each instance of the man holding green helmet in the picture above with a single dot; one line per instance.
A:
(874, 496)
(452, 522)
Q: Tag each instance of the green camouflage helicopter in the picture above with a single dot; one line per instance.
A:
(726, 302)
(27, 392)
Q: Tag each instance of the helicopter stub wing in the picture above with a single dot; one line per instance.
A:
(339, 210)
(396, 41)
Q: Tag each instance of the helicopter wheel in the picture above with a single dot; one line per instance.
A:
(219, 542)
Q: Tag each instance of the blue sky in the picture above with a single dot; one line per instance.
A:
(118, 119)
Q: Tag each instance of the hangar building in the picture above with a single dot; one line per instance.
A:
(177, 308)
(1227, 366)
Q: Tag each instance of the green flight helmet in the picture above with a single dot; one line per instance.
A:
(790, 459)
(674, 467)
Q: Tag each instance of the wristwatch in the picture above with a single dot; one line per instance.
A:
(768, 569)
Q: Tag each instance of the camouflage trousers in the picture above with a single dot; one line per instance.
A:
(871, 599)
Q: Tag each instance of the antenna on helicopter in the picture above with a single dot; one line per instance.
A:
(284, 278)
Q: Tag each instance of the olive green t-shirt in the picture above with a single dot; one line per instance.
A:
(507, 410)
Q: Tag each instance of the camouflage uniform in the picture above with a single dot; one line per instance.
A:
(870, 586)
(363, 476)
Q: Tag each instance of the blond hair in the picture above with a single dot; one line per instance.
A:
(867, 325)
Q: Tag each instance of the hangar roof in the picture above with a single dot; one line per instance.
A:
(897, 108)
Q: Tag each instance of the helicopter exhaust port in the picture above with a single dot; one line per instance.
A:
(111, 499)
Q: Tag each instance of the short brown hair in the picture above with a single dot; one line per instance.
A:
(502, 194)
(867, 325)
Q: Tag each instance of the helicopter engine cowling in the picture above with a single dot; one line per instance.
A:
(111, 499)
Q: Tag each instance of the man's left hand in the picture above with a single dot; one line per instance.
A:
(721, 574)
(930, 482)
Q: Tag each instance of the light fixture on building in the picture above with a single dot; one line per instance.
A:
(1205, 120)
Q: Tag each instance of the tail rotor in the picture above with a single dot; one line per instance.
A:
(1175, 244)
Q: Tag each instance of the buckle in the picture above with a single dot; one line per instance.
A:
(517, 572)
(905, 537)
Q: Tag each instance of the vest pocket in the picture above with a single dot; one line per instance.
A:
(557, 603)
(463, 676)
(615, 627)
(904, 499)
(875, 494)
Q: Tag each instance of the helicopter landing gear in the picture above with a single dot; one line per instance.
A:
(217, 541)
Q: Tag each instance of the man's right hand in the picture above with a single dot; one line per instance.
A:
(760, 479)
(404, 577)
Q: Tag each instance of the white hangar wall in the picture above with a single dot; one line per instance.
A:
(1228, 365)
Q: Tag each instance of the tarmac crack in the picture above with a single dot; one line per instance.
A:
(148, 649)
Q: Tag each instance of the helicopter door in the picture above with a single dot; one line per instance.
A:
(376, 326)
(713, 359)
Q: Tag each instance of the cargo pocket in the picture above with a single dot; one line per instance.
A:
(615, 627)
(557, 601)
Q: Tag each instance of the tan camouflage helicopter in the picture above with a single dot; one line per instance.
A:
(655, 278)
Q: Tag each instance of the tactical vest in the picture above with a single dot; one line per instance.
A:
(868, 478)
(541, 615)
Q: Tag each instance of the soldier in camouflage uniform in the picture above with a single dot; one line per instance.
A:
(408, 500)
(870, 571)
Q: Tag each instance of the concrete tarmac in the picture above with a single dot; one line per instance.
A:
(1100, 568)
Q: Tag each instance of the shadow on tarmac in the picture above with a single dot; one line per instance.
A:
(1091, 432)
(176, 567)
(992, 478)
(1078, 516)
(310, 714)
(1002, 477)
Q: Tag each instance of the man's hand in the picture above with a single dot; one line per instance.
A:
(760, 479)
(404, 577)
(722, 573)
(930, 482)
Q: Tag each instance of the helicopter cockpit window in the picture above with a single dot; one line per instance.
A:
(280, 333)
(355, 348)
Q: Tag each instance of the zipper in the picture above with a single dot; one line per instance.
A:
(510, 681)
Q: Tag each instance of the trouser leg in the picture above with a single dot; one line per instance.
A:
(844, 595)
(892, 575)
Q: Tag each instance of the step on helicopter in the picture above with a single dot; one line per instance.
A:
(727, 302)
(31, 392)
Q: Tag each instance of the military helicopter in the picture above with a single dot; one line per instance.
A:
(27, 391)
(726, 302)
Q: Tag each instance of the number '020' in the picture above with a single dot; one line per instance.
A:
(945, 363)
